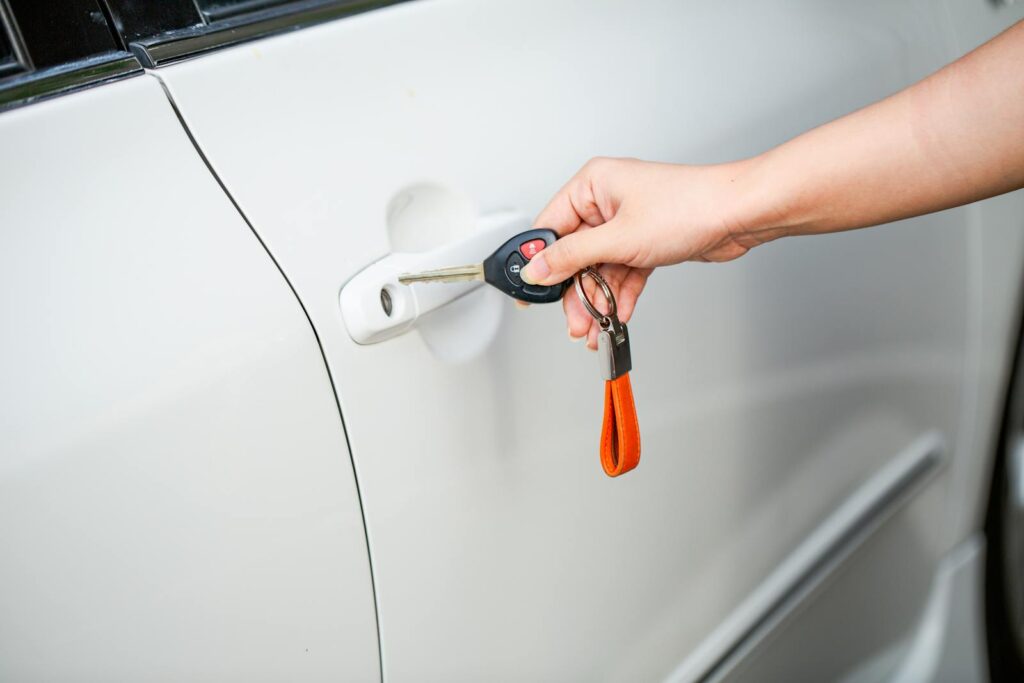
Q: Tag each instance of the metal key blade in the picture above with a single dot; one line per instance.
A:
(455, 274)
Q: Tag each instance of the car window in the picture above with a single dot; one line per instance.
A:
(55, 33)
(219, 9)
(135, 19)
(8, 60)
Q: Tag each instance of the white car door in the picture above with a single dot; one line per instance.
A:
(176, 496)
(795, 405)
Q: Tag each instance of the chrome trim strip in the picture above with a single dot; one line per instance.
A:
(178, 45)
(813, 561)
(37, 85)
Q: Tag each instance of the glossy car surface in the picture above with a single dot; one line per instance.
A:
(206, 476)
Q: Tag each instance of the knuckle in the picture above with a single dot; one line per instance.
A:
(598, 165)
(603, 170)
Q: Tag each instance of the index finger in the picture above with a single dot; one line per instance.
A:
(560, 215)
(574, 205)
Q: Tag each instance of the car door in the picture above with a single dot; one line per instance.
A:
(177, 500)
(792, 404)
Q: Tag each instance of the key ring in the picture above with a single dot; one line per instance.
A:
(605, 319)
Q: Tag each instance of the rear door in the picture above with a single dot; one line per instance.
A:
(786, 400)
(177, 500)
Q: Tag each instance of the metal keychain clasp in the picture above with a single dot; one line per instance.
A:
(613, 339)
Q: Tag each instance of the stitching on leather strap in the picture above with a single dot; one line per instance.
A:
(620, 450)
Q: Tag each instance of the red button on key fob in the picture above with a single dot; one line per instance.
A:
(502, 268)
(531, 248)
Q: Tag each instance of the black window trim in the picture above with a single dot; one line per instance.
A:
(18, 89)
(215, 12)
(239, 28)
(39, 85)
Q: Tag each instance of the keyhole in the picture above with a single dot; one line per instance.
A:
(385, 301)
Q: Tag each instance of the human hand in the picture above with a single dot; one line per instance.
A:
(907, 155)
(631, 216)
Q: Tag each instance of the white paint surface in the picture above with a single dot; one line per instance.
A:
(176, 496)
(769, 389)
(949, 646)
(176, 499)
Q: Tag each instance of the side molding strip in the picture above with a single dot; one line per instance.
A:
(814, 560)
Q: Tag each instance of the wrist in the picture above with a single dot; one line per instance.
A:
(762, 209)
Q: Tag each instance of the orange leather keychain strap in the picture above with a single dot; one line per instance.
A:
(620, 431)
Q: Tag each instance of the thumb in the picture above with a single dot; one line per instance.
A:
(574, 252)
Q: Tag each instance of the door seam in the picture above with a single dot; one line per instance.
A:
(319, 344)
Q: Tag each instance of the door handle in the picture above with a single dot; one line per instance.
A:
(376, 307)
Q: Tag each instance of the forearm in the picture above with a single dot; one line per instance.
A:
(956, 137)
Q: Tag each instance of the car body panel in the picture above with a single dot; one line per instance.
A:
(176, 495)
(177, 498)
(770, 390)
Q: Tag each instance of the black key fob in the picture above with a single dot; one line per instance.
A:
(502, 268)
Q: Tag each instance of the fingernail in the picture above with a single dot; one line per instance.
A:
(536, 270)
(576, 339)
(521, 305)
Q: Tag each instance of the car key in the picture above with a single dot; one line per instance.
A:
(502, 269)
